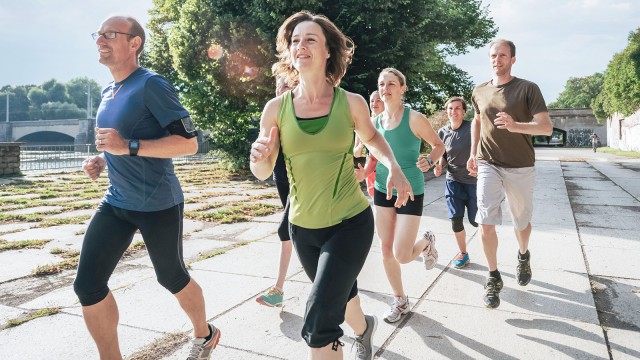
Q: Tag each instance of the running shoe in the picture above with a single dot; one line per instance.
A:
(273, 297)
(201, 348)
(461, 260)
(430, 254)
(399, 307)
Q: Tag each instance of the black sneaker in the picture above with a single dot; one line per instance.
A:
(523, 270)
(492, 293)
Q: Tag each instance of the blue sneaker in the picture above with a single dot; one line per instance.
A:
(461, 260)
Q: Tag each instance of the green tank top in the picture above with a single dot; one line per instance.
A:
(323, 188)
(406, 148)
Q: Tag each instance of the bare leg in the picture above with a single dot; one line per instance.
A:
(385, 225)
(461, 239)
(286, 249)
(490, 245)
(523, 238)
(354, 316)
(325, 353)
(406, 247)
(192, 302)
(102, 322)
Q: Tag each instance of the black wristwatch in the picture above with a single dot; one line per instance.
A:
(134, 146)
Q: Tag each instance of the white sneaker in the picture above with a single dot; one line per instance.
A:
(430, 254)
(399, 307)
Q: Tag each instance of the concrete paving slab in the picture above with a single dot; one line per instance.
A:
(148, 305)
(559, 294)
(7, 313)
(624, 344)
(23, 262)
(607, 262)
(68, 214)
(442, 331)
(34, 210)
(610, 238)
(14, 227)
(191, 250)
(65, 337)
(244, 231)
(258, 259)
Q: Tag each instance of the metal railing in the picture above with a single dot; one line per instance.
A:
(51, 157)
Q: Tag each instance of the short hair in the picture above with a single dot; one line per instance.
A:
(136, 30)
(456, 98)
(512, 46)
(397, 73)
(340, 47)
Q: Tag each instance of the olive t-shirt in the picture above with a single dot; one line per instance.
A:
(519, 98)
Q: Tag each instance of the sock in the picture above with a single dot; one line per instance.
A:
(210, 333)
(495, 274)
(523, 256)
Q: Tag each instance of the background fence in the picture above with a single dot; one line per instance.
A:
(50, 157)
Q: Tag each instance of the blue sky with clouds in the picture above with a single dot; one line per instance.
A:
(555, 39)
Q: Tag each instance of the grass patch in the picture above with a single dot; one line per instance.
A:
(50, 269)
(210, 254)
(160, 348)
(233, 213)
(30, 316)
(22, 244)
(64, 221)
(65, 253)
(135, 248)
(630, 154)
(265, 196)
(20, 217)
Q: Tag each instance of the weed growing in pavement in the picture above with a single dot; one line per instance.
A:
(22, 244)
(30, 316)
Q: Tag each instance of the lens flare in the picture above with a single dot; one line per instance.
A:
(215, 52)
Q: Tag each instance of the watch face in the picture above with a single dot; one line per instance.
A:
(134, 144)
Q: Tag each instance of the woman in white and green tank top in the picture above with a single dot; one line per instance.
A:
(404, 129)
(331, 223)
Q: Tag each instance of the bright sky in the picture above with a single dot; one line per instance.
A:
(555, 39)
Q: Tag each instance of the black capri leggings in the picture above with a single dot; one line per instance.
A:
(283, 192)
(332, 258)
(108, 236)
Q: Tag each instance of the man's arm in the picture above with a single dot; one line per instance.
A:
(472, 163)
(110, 140)
(540, 125)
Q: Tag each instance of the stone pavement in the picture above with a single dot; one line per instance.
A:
(583, 301)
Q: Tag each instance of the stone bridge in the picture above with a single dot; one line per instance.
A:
(76, 131)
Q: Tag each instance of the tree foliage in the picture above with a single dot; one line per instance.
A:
(579, 92)
(621, 88)
(51, 100)
(226, 94)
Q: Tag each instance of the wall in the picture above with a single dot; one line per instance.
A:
(624, 132)
(579, 125)
(9, 158)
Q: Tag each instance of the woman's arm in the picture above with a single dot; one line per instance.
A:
(379, 147)
(264, 150)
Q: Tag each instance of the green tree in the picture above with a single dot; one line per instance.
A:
(58, 110)
(57, 93)
(579, 92)
(18, 102)
(37, 96)
(621, 88)
(226, 94)
(77, 90)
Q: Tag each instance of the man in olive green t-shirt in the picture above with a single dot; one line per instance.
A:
(508, 110)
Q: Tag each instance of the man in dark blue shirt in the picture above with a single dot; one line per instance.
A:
(141, 125)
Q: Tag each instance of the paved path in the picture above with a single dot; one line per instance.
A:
(583, 301)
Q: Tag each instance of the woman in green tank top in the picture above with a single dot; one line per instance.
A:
(331, 223)
(404, 129)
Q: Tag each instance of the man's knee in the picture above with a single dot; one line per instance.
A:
(457, 224)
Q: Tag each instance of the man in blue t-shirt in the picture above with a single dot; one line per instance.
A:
(141, 125)
(460, 186)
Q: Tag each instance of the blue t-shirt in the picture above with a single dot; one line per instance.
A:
(140, 107)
